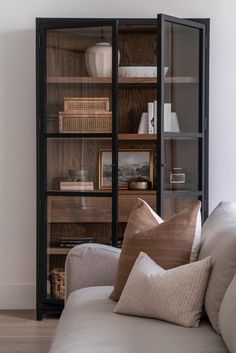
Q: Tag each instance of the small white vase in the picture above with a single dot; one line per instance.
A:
(98, 60)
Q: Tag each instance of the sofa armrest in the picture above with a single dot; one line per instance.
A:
(89, 265)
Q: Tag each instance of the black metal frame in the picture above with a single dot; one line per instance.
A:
(42, 25)
(44, 304)
(203, 26)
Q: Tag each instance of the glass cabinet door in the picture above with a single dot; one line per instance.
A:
(79, 111)
(181, 112)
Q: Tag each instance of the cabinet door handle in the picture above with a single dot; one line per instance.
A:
(163, 165)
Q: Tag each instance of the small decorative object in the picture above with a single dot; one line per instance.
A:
(78, 175)
(150, 108)
(167, 114)
(76, 186)
(152, 117)
(174, 123)
(139, 71)
(98, 60)
(143, 125)
(131, 163)
(57, 280)
(155, 116)
(177, 176)
(139, 183)
(171, 123)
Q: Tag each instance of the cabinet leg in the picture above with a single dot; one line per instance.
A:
(39, 315)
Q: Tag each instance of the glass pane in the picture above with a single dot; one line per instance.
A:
(182, 165)
(79, 69)
(72, 221)
(173, 206)
(182, 57)
(127, 200)
(79, 164)
(137, 75)
(136, 92)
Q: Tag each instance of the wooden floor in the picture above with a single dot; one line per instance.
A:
(21, 333)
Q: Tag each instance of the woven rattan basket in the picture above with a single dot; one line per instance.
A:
(81, 123)
(86, 104)
(57, 280)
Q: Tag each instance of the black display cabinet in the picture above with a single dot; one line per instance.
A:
(117, 100)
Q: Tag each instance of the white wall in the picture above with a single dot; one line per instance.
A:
(17, 117)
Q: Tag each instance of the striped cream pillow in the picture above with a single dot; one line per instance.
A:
(174, 295)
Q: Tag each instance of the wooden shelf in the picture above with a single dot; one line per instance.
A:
(137, 137)
(121, 80)
(135, 192)
(168, 194)
(79, 80)
(104, 192)
(153, 137)
(58, 251)
(182, 135)
(93, 193)
(87, 136)
(127, 137)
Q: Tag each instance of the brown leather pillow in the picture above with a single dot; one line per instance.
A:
(168, 243)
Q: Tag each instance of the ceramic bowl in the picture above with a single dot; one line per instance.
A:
(139, 183)
(139, 71)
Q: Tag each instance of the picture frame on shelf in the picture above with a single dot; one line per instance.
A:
(131, 163)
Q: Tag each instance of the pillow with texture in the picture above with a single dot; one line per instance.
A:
(169, 243)
(219, 242)
(175, 295)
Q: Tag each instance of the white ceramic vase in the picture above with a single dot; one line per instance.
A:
(98, 60)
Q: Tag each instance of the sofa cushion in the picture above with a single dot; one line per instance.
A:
(227, 317)
(219, 242)
(88, 325)
(168, 243)
(175, 295)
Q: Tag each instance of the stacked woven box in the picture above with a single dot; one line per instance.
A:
(85, 115)
(57, 281)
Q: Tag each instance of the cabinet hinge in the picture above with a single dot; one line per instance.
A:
(205, 124)
(39, 40)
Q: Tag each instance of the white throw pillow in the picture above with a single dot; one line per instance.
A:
(174, 295)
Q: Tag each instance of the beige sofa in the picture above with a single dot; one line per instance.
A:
(88, 324)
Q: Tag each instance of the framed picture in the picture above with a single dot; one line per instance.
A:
(131, 163)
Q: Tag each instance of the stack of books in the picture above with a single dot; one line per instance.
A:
(73, 241)
(148, 121)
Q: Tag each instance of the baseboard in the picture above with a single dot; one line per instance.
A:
(17, 296)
